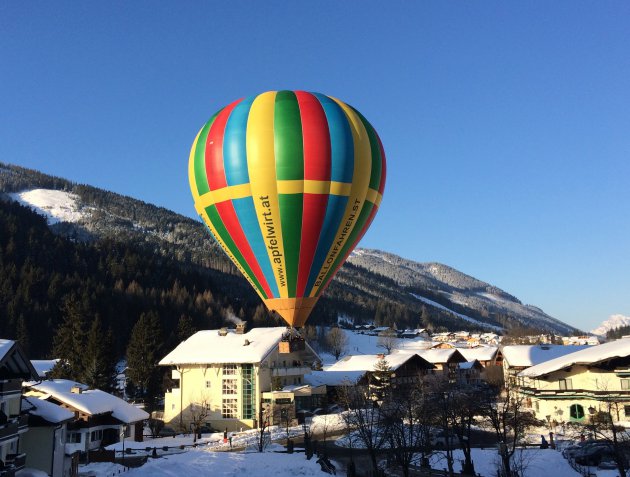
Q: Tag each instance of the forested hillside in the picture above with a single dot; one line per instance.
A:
(124, 257)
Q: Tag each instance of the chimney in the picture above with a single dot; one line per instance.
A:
(223, 331)
(246, 343)
(240, 327)
(76, 390)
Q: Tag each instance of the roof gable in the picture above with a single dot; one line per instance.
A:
(14, 363)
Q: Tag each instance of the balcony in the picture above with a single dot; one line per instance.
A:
(10, 387)
(9, 429)
(18, 461)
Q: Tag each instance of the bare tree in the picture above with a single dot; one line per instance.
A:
(263, 428)
(387, 340)
(469, 402)
(197, 413)
(409, 416)
(507, 417)
(337, 342)
(602, 426)
(364, 418)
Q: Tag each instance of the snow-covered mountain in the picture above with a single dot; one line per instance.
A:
(375, 285)
(466, 297)
(613, 322)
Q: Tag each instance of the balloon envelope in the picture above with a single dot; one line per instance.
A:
(287, 182)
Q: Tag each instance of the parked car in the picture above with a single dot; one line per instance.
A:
(167, 432)
(593, 454)
(570, 451)
(439, 440)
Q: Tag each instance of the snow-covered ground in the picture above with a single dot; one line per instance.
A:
(536, 462)
(56, 205)
(211, 459)
(365, 344)
(201, 463)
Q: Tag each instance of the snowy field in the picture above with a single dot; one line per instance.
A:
(217, 464)
(56, 205)
(365, 344)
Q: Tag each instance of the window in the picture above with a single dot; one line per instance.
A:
(230, 386)
(537, 406)
(96, 435)
(229, 408)
(625, 384)
(626, 409)
(576, 411)
(248, 386)
(208, 384)
(565, 384)
(229, 369)
(74, 438)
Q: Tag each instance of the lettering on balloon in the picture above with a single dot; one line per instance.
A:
(338, 243)
(269, 231)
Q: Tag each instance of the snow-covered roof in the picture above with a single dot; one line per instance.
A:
(531, 355)
(586, 355)
(43, 366)
(14, 360)
(482, 353)
(46, 410)
(89, 401)
(367, 362)
(333, 378)
(438, 356)
(208, 347)
(5, 346)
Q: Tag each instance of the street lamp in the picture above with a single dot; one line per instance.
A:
(123, 431)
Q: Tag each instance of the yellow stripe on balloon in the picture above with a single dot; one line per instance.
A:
(226, 193)
(340, 188)
(374, 196)
(261, 165)
(191, 168)
(358, 192)
(241, 191)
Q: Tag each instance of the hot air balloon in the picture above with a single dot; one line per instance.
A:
(287, 183)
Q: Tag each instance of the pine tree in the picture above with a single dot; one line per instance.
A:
(143, 352)
(185, 327)
(381, 377)
(100, 363)
(69, 341)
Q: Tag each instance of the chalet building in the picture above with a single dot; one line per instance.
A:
(575, 386)
(405, 368)
(517, 358)
(233, 378)
(444, 360)
(44, 443)
(14, 369)
(99, 417)
(469, 373)
(486, 355)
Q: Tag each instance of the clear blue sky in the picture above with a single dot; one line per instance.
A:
(506, 124)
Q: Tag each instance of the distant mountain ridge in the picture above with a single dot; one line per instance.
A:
(373, 286)
(613, 322)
